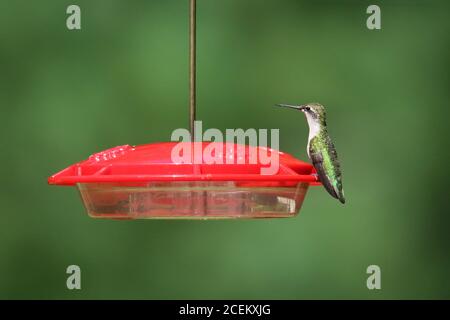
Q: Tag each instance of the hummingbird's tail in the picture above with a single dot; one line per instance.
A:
(341, 197)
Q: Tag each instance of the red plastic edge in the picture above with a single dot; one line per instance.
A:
(129, 164)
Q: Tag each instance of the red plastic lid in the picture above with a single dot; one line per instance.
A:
(153, 162)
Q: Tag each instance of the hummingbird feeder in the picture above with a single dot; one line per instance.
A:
(145, 182)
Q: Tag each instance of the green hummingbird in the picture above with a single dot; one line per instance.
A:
(321, 150)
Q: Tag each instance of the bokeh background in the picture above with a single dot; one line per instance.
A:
(122, 79)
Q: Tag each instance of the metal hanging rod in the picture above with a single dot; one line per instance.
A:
(192, 65)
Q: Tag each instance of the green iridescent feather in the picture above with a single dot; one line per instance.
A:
(324, 157)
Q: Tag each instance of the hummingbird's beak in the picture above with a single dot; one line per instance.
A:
(291, 106)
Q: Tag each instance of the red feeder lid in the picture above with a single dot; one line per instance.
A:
(153, 162)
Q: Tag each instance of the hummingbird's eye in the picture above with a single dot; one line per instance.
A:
(307, 108)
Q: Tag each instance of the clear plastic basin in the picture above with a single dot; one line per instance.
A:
(192, 200)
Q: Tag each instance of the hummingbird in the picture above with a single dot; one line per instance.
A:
(321, 150)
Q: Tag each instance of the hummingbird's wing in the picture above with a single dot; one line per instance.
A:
(337, 174)
(317, 160)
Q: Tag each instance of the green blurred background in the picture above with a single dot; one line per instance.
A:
(122, 79)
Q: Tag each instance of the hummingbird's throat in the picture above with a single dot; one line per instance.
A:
(314, 127)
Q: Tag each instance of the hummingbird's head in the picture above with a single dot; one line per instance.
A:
(314, 112)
